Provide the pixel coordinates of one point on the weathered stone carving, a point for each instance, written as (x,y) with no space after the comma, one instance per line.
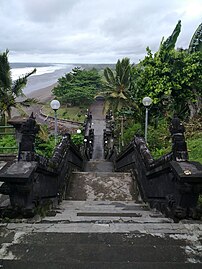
(34,179)
(171,184)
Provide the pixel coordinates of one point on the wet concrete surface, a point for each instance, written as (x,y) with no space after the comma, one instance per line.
(99,124)
(101,186)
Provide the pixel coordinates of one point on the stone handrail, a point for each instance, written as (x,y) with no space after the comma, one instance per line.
(171,184)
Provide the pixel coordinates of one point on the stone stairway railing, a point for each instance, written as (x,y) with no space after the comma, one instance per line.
(171,184)
(33,180)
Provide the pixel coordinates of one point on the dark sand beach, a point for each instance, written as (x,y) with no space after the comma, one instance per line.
(43,94)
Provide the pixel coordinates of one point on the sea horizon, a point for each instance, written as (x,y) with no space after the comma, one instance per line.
(47,74)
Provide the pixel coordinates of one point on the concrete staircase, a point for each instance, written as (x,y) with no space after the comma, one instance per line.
(99,235)
(100,227)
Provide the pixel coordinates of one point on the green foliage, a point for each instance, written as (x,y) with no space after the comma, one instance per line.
(196,41)
(77,139)
(45,143)
(200,201)
(159,141)
(78,87)
(117,85)
(45,147)
(7,141)
(173,79)
(159,138)
(195,149)
(130,132)
(170,42)
(174,83)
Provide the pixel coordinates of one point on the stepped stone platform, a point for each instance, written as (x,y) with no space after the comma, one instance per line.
(99,166)
(101,186)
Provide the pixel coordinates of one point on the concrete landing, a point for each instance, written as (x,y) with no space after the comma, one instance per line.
(99,166)
(101,186)
(96,251)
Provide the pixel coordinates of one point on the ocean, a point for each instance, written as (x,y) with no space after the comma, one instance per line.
(46,74)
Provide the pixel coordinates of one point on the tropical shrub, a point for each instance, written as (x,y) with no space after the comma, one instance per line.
(78,87)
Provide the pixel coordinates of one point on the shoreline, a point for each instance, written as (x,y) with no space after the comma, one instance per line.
(43,94)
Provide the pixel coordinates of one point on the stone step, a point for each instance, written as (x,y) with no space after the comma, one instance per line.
(105,212)
(114,204)
(99,166)
(184,231)
(8,264)
(93,250)
(101,186)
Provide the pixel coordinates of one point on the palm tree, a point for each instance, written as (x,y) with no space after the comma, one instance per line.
(10,90)
(118,85)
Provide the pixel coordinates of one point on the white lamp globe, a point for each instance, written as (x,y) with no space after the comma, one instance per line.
(78,131)
(147,101)
(55,104)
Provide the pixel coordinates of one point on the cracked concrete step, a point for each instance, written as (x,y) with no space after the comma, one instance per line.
(98,250)
(158,229)
(107,212)
(105,220)
(101,186)
(96,265)
(95,252)
(102,205)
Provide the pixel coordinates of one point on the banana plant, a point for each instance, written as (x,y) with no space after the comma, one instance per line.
(196,41)
(169,44)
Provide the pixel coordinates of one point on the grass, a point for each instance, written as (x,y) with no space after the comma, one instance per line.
(195,149)
(70,113)
(8,141)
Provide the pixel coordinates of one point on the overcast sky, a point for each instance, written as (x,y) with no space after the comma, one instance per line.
(92,31)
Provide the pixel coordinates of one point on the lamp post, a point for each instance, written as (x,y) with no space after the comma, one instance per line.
(122,142)
(146,102)
(55,105)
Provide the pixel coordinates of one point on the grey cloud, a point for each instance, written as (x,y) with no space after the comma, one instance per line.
(91,30)
(47,10)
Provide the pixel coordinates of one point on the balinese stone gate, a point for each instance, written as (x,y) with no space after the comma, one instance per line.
(33,179)
(171,184)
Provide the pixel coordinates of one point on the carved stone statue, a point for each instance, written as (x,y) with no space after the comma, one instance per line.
(28,129)
(179,146)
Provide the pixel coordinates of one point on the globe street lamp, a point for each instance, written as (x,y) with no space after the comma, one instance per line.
(55,105)
(146,102)
(78,131)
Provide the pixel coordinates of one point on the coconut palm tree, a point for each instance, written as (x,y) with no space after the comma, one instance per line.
(117,85)
(10,90)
